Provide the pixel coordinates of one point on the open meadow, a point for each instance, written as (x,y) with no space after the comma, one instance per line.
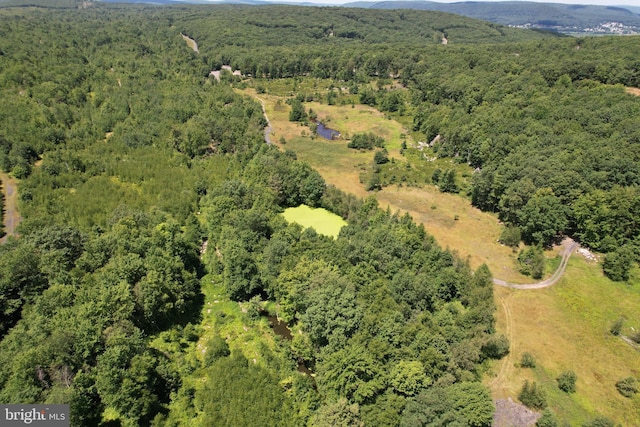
(449,218)
(566,327)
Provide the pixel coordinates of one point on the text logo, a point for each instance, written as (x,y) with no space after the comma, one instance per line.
(34,415)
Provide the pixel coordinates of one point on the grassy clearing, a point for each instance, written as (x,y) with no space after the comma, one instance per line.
(246,334)
(567,327)
(253,337)
(339,165)
(347,119)
(350,120)
(321,220)
(457,225)
(191,43)
(449,218)
(633,91)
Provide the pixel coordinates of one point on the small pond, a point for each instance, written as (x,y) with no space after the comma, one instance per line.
(321,220)
(326,132)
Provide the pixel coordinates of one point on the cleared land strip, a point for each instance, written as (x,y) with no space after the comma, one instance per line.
(11,216)
(268,129)
(190,42)
(633,91)
(569,247)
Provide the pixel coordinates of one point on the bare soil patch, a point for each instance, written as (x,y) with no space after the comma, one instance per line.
(633,91)
(511,414)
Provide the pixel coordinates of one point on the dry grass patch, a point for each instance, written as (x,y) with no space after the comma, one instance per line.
(567,327)
(190,42)
(11,216)
(338,164)
(278,115)
(633,91)
(457,225)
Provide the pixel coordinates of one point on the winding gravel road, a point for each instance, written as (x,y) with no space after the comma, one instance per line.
(569,246)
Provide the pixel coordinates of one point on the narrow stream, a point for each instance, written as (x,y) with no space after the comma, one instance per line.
(281,329)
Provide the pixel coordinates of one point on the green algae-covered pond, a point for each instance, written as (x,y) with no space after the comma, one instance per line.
(321,220)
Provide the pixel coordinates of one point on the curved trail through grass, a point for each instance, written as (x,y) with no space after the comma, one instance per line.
(569,247)
(506,365)
(506,362)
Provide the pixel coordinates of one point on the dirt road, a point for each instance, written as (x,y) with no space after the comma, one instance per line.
(569,246)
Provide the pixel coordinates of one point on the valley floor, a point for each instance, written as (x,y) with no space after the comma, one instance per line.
(564,326)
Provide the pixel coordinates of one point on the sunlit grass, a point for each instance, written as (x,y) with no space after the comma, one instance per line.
(350,120)
(456,225)
(220,316)
(566,327)
(228,319)
(10,215)
(191,43)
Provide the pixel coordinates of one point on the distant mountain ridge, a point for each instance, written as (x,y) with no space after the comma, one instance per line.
(559,17)
(41,3)
(549,16)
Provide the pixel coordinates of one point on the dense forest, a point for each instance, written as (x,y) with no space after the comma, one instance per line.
(144,182)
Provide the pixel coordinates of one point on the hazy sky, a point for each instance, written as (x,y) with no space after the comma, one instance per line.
(598,2)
